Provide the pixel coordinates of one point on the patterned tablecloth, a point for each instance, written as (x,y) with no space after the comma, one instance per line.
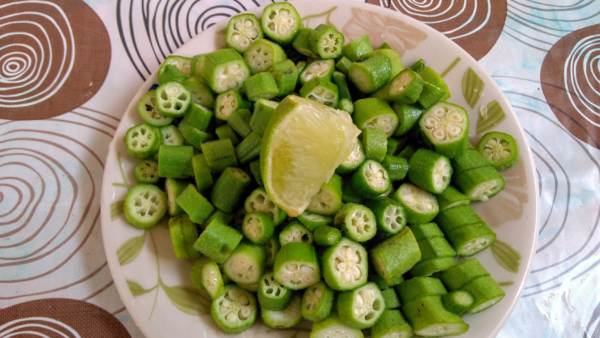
(69,68)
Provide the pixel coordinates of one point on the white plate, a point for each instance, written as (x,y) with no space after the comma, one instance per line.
(156,287)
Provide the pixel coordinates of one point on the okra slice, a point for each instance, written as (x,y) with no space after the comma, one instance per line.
(175,161)
(142,141)
(302,43)
(272,246)
(469,159)
(281,22)
(219,215)
(228,102)
(394,146)
(169,73)
(371,74)
(357,49)
(295,232)
(249,148)
(196,65)
(258,227)
(224,69)
(180,62)
(446,127)
(462,274)
(499,150)
(262,54)
(255,169)
(479,184)
(218,241)
(318,68)
(198,116)
(145,205)
(246,264)
(173,189)
(249,287)
(296,266)
(261,86)
(382,284)
(192,135)
(396,255)
(343,65)
(329,198)
(458,302)
(212,280)
(259,201)
(285,74)
(345,265)
(426,231)
(486,293)
(226,132)
(429,318)
(272,295)
(375,113)
(418,66)
(317,302)
(239,121)
(173,99)
(420,287)
(451,198)
(301,65)
(314,221)
(430,171)
(408,116)
(360,308)
(421,206)
(354,160)
(147,172)
(408,151)
(370,180)
(235,311)
(177,238)
(432,77)
(429,267)
(389,215)
(327,236)
(201,93)
(471,239)
(242,31)
(285,318)
(194,204)
(406,87)
(219,155)
(349,195)
(457,217)
(326,41)
(356,222)
(196,272)
(375,143)
(202,174)
(263,109)
(395,62)
(229,188)
(320,90)
(391,323)
(436,255)
(385,45)
(148,109)
(171,136)
(390,298)
(396,167)
(333,327)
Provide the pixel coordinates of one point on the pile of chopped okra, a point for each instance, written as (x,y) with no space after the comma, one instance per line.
(376,248)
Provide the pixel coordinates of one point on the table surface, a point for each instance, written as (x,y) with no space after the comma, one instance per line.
(544,55)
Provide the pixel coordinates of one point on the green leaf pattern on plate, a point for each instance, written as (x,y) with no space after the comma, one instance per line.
(510,283)
(129,250)
(490,116)
(472,87)
(506,256)
(188,299)
(116,209)
(136,289)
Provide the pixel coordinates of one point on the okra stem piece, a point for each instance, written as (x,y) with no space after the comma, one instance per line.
(224,69)
(317,302)
(285,318)
(320,90)
(218,241)
(451,198)
(375,113)
(360,308)
(479,184)
(297,266)
(202,174)
(195,205)
(420,206)
(389,214)
(486,293)
(356,222)
(354,160)
(326,41)
(375,143)
(396,255)
(246,264)
(391,323)
(286,75)
(318,68)
(327,236)
(499,150)
(260,201)
(258,227)
(396,167)
(272,246)
(408,116)
(228,102)
(173,188)
(370,180)
(429,318)
(142,141)
(226,132)
(219,155)
(406,87)
(149,112)
(272,295)
(430,171)
(235,311)
(332,327)
(345,265)
(302,43)
(371,74)
(314,221)
(212,280)
(263,109)
(171,136)
(356,49)
(329,198)
(446,127)
(343,65)
(249,148)
(281,22)
(390,298)
(229,189)
(295,232)
(147,172)
(457,302)
(242,31)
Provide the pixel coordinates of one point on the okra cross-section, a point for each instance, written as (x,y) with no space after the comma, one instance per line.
(258,227)
(148,109)
(317,302)
(228,102)
(224,69)
(262,54)
(246,264)
(145,205)
(356,221)
(285,318)
(389,215)
(317,68)
(499,149)
(446,127)
(173,99)
(326,41)
(281,22)
(421,206)
(242,31)
(354,160)
(360,308)
(375,113)
(345,265)
(371,179)
(234,311)
(146,172)
(259,201)
(295,232)
(320,90)
(430,171)
(272,295)
(296,266)
(329,199)
(142,141)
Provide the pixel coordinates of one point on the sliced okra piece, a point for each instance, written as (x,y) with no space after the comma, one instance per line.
(356,221)
(394,146)
(420,287)
(262,54)
(145,205)
(408,116)
(333,327)
(375,143)
(320,90)
(202,174)
(479,184)
(192,135)
(169,73)
(389,261)
(421,206)
(142,141)
(286,75)
(349,195)
(190,235)
(385,45)
(212,280)
(317,302)
(361,308)
(389,215)
(229,189)
(272,295)
(174,188)
(432,77)
(295,232)
(429,318)
(446,127)
(259,201)
(148,110)
(201,93)
(371,74)
(395,62)
(343,90)
(370,180)
(226,132)
(246,264)
(219,155)
(396,167)
(433,248)
(235,311)
(173,99)
(408,151)
(255,169)
(285,318)
(329,198)
(147,172)
(317,68)
(301,65)
(171,136)
(249,148)
(346,105)
(451,198)
(196,273)
(457,302)
(175,161)
(383,94)
(194,204)
(225,69)
(486,293)
(219,215)
(430,95)
(469,159)
(499,150)
(391,323)
(314,221)
(457,217)
(218,241)
(418,66)
(357,49)
(431,266)
(382,284)
(345,265)
(326,235)
(181,62)
(272,246)
(406,87)
(239,121)
(261,86)
(375,113)
(343,65)
(430,171)
(249,287)
(196,65)
(228,102)
(390,298)
(462,274)
(258,227)
(281,22)
(177,238)
(354,160)
(242,31)
(426,231)
(471,239)
(296,266)
(263,109)
(326,41)
(302,43)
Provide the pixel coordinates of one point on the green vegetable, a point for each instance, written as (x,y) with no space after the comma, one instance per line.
(356,222)
(142,141)
(396,167)
(357,49)
(302,43)
(295,232)
(272,295)
(446,128)
(258,227)
(229,189)
(171,136)
(499,150)
(326,41)
(272,246)
(418,66)
(429,318)
(242,31)
(395,62)
(201,93)
(408,116)
(178,236)
(224,69)
(239,121)
(173,99)
(486,293)
(345,265)
(281,22)
(390,298)
(235,311)
(451,198)
(175,161)
(389,215)
(212,280)
(420,206)
(261,86)
(202,174)
(259,201)
(391,323)
(246,264)
(375,113)
(286,75)
(297,266)
(320,90)
(249,148)
(218,241)
(333,327)
(375,143)
(194,204)
(219,155)
(255,168)
(317,302)
(226,132)
(457,302)
(479,184)
(430,171)
(360,308)
(173,189)
(193,136)
(228,102)
(149,112)
(170,73)
(354,160)
(371,74)
(317,68)
(329,198)
(286,318)
(396,255)
(147,172)
(327,236)
(145,205)
(406,87)
(408,151)
(343,65)
(263,109)
(314,221)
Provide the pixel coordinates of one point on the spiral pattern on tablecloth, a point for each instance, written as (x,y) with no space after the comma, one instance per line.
(39,327)
(582,78)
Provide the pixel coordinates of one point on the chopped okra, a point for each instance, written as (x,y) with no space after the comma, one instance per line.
(242,31)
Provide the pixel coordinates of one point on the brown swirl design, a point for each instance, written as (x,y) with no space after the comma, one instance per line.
(55,57)
(475,25)
(59,318)
(570,79)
